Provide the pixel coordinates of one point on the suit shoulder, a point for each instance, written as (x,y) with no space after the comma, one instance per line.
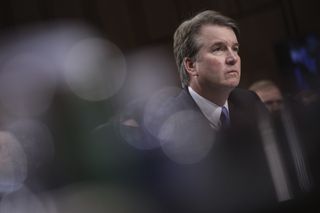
(244,95)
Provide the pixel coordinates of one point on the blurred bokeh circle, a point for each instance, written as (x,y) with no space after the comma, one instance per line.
(95,69)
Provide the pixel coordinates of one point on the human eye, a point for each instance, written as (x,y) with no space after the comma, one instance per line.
(218,48)
(235,48)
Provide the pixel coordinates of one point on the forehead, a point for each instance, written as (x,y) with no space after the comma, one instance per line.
(216,33)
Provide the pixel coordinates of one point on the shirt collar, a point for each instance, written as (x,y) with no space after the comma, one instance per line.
(209,109)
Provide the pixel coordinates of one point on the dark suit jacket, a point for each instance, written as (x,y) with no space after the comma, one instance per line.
(198,169)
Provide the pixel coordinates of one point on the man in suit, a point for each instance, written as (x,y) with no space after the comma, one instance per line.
(211,156)
(206,51)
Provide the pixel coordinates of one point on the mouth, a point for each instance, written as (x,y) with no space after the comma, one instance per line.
(233,72)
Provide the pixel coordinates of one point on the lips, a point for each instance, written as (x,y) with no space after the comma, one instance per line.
(232,72)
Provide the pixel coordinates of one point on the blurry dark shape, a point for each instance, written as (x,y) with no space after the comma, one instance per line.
(287,138)
(308,120)
(186,147)
(307,97)
(299,62)
(131,123)
(269,93)
(112,150)
(275,162)
(101,198)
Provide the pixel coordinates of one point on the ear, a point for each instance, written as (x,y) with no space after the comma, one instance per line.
(190,67)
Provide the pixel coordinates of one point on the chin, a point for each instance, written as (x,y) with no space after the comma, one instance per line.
(233,84)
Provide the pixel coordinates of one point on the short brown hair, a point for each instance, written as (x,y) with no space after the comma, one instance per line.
(184,42)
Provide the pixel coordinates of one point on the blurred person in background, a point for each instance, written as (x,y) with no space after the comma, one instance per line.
(269,93)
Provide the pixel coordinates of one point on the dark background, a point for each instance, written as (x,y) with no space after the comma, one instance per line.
(141,23)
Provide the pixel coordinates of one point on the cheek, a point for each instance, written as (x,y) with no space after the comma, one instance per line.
(211,66)
(215,64)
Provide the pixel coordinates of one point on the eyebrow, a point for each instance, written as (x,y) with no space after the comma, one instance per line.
(223,43)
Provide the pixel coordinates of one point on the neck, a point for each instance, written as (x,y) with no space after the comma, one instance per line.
(217,95)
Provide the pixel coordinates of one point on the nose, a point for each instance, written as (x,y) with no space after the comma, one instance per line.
(232,57)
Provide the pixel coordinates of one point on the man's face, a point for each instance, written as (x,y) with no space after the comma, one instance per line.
(217,64)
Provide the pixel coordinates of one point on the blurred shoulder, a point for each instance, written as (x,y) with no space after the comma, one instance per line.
(243,95)
(244,104)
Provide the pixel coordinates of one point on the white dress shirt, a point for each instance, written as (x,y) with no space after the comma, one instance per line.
(209,109)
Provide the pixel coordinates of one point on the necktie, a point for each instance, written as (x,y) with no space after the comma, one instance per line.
(224,117)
